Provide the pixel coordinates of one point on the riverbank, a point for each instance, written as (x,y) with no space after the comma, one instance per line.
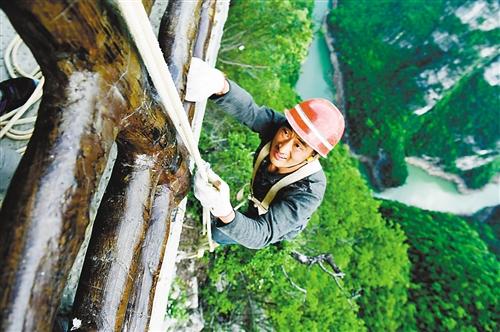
(338,78)
(437,171)
(340,100)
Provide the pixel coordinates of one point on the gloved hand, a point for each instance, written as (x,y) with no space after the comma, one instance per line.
(215,199)
(203,81)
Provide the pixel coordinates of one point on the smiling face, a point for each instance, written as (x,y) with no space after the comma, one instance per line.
(288,151)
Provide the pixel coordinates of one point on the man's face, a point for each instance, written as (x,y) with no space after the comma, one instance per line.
(288,150)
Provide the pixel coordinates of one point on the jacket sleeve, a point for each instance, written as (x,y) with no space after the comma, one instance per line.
(286,215)
(240,104)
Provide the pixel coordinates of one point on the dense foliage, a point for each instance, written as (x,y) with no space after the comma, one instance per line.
(265,289)
(454,277)
(371,251)
(486,223)
(468,106)
(394,53)
(450,284)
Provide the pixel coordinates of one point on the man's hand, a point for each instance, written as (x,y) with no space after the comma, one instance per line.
(203,81)
(214,196)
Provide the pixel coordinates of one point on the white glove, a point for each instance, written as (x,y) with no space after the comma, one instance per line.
(203,81)
(215,199)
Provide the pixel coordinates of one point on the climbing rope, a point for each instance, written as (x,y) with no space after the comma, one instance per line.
(15,117)
(137,21)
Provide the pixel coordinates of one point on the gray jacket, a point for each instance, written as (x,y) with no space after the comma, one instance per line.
(294,204)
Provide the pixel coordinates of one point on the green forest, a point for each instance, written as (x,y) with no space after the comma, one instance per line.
(405,269)
(393,53)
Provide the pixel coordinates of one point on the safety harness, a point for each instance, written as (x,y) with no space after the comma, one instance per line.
(303,172)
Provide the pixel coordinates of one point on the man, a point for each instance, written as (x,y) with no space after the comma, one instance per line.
(288,183)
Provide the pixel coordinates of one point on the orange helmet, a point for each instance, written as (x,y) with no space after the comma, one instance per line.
(318,122)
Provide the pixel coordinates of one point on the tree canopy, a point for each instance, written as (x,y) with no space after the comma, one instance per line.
(454,276)
(399,56)
(255,289)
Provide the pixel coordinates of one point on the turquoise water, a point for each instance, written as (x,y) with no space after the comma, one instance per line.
(434,193)
(421,189)
(316,75)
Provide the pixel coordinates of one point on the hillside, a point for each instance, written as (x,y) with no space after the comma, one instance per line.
(264,289)
(454,277)
(422,79)
(268,289)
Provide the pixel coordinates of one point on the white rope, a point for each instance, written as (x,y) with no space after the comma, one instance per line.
(142,33)
(15,64)
(21,132)
(14,117)
(7,57)
(37,94)
(16,136)
(30,119)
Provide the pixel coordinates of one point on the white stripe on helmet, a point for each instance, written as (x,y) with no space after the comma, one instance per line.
(313,129)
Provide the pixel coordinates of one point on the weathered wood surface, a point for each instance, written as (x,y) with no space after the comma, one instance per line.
(132,280)
(110,271)
(192,30)
(208,15)
(140,302)
(96,92)
(178,29)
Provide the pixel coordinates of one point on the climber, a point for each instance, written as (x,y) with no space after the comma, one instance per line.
(288,183)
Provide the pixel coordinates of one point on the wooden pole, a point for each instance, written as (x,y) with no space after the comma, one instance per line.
(95,88)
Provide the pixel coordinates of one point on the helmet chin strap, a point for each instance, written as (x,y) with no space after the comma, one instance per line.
(307,161)
(302,162)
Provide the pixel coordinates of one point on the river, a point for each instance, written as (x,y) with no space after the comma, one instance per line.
(315,80)
(421,189)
